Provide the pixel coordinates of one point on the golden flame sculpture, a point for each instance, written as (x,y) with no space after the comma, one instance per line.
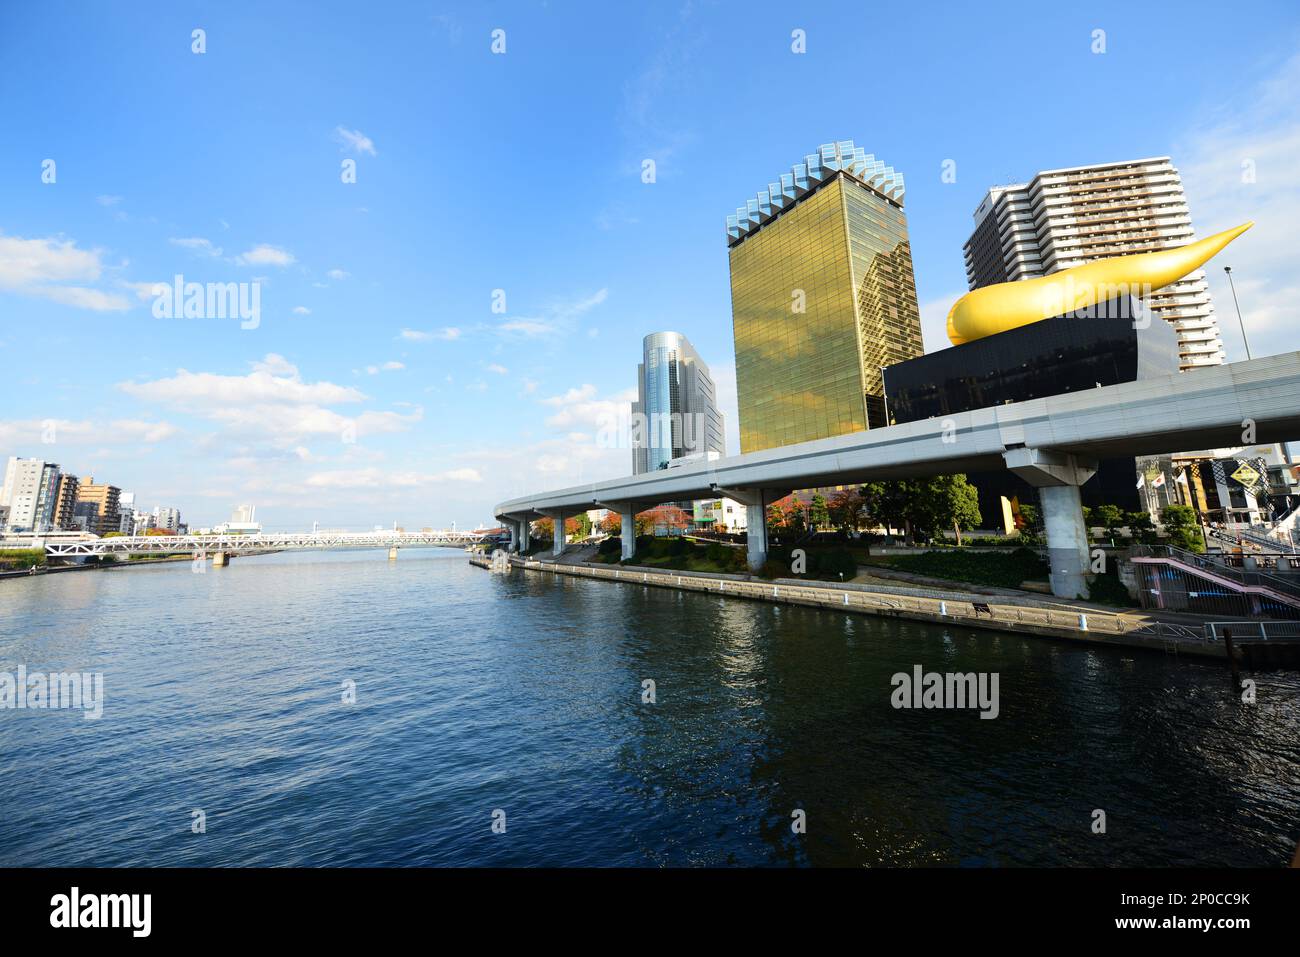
(1010,305)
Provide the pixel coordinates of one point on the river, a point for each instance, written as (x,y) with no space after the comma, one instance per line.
(518,699)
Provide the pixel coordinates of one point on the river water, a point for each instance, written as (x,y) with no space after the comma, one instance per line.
(522,694)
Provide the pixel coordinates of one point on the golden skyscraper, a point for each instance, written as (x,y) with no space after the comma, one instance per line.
(822,297)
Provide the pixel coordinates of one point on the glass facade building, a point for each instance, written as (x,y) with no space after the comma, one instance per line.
(676,413)
(823,297)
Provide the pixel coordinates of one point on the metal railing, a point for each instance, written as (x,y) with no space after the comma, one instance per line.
(1255,629)
(1216,565)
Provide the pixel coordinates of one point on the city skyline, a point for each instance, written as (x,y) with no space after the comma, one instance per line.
(379,319)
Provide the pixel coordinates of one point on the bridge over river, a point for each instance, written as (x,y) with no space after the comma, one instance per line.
(223,547)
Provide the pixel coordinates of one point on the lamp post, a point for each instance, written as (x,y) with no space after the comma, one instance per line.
(1240,322)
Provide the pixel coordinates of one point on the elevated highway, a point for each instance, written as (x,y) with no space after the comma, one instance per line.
(1054,443)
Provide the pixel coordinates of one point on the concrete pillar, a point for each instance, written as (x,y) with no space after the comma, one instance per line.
(756,533)
(392,554)
(523,532)
(220,559)
(1057,476)
(755,501)
(1067,540)
(557,540)
(628,514)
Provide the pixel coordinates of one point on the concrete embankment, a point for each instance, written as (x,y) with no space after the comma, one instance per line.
(1110,629)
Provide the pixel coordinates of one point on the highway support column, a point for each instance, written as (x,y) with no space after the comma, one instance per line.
(1058,476)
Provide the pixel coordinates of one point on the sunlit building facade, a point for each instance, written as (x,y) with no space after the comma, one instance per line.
(823,297)
(1067,217)
(675,416)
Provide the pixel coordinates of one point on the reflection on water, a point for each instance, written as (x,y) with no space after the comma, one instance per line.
(478,691)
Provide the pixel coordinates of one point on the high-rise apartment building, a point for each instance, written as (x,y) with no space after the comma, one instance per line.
(167,517)
(106,516)
(65,501)
(822,298)
(1067,217)
(676,413)
(30,489)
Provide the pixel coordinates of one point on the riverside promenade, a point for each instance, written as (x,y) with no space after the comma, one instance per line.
(1028,616)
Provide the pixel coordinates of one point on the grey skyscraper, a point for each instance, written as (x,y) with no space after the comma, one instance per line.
(676,414)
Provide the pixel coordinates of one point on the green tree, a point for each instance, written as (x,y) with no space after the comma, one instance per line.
(1183,528)
(1110,517)
(941,502)
(819,514)
(887,502)
(1143,529)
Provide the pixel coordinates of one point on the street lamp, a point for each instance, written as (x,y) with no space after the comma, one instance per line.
(1240,322)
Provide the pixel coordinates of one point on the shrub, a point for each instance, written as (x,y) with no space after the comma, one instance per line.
(1107,589)
(834,563)
(11,558)
(1006,570)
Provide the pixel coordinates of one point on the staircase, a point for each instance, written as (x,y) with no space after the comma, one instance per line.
(1214,571)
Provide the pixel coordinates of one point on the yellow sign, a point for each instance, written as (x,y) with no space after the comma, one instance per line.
(1246,475)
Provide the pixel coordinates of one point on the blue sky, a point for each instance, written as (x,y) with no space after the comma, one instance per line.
(379,384)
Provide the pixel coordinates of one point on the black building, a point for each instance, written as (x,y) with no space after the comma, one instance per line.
(1116,341)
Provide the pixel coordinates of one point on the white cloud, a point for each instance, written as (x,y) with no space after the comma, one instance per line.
(301,311)
(390,366)
(197,244)
(271,405)
(529,327)
(498,369)
(379,478)
(339,274)
(580,406)
(143,290)
(559,317)
(108,200)
(354,140)
(137,430)
(81,297)
(16,433)
(40,267)
(265,255)
(274,380)
(27,262)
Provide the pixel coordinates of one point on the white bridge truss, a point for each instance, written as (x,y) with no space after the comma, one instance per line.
(243,544)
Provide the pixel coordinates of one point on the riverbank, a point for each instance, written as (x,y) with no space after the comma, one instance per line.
(110,566)
(1045,620)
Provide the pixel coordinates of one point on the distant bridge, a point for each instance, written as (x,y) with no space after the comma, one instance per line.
(61,546)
